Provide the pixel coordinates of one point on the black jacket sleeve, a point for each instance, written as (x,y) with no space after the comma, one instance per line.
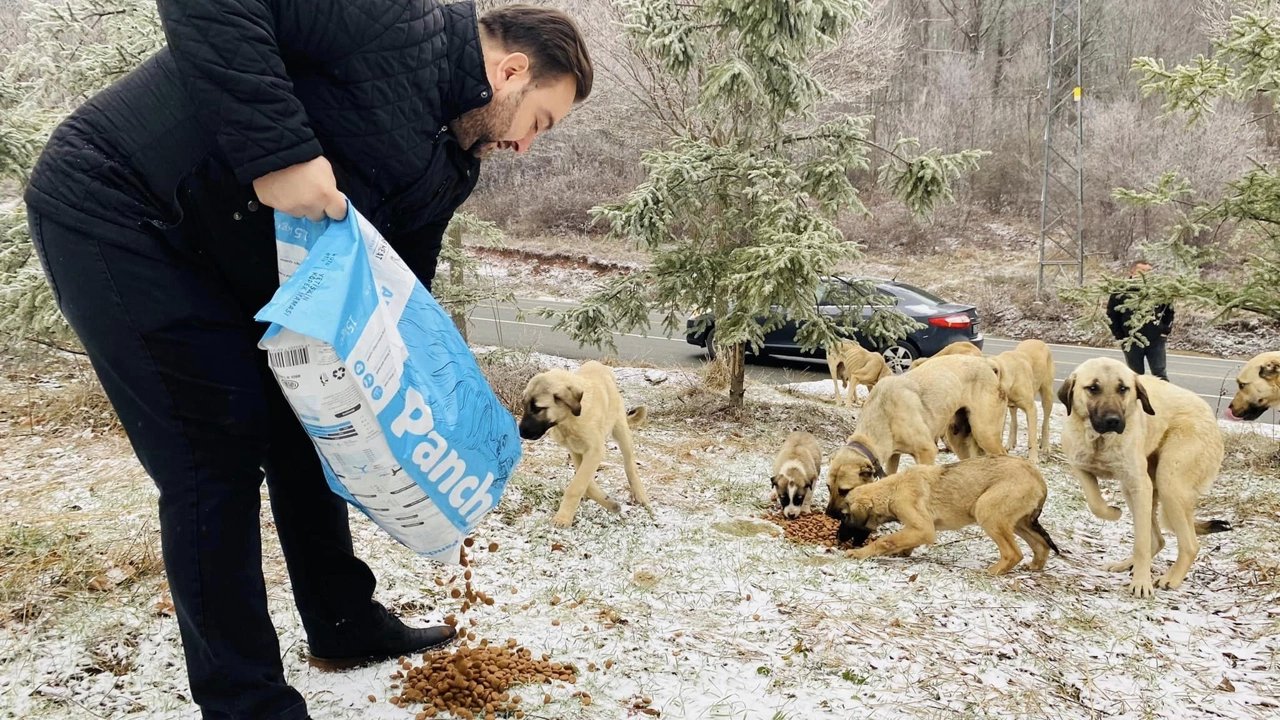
(420,250)
(232,54)
(1166,320)
(1116,316)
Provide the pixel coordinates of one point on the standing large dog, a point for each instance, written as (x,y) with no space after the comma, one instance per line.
(1038,354)
(1159,441)
(580,410)
(854,365)
(956,397)
(1259,388)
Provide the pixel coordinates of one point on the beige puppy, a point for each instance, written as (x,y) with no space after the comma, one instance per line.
(795,473)
(956,397)
(852,365)
(1018,384)
(1003,495)
(1163,446)
(1259,388)
(581,409)
(1042,368)
(963,347)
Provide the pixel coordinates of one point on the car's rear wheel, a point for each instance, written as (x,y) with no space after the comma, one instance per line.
(899,357)
(710,338)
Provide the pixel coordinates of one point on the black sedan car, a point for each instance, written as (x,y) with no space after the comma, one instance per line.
(944,322)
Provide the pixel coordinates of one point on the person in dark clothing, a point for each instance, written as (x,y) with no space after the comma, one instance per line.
(149,212)
(1155,332)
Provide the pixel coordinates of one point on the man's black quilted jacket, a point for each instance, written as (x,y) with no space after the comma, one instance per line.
(246,87)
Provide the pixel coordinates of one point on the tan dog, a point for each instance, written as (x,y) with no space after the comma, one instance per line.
(1037,353)
(853,465)
(1259,388)
(1018,383)
(963,347)
(795,473)
(955,397)
(853,365)
(1159,441)
(1004,495)
(581,410)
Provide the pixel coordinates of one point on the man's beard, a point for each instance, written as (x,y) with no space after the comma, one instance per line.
(481,129)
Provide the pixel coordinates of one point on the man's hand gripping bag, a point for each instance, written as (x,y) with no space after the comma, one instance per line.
(407,427)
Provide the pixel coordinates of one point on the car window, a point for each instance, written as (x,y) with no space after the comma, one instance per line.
(843,295)
(912,295)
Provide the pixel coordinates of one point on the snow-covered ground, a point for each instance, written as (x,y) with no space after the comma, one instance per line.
(706,622)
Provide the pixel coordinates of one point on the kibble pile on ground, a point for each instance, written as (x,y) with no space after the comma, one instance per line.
(475,682)
(810,529)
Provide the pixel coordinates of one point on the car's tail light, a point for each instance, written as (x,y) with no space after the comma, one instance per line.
(959,321)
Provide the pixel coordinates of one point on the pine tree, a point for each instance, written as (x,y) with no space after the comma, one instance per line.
(1245,64)
(739,206)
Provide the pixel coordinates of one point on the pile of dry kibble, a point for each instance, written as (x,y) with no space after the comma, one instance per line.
(810,529)
(473,681)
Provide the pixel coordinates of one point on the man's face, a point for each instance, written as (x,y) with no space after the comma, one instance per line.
(1140,269)
(520,110)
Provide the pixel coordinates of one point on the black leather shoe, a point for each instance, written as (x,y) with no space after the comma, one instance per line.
(354,644)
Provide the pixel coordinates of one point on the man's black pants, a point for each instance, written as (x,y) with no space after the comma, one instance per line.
(1153,354)
(175,346)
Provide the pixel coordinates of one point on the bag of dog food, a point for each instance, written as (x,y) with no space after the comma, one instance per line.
(407,428)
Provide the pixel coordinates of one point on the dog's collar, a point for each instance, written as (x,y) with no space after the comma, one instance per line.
(866,453)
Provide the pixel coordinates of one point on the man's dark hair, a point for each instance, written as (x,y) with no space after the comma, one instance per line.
(549,37)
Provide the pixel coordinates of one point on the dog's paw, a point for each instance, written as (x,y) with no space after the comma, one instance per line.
(1122,566)
(857,554)
(1110,513)
(612,506)
(1141,588)
(562,521)
(1168,582)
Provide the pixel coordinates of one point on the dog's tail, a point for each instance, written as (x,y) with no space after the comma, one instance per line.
(1038,529)
(1208,527)
(636,416)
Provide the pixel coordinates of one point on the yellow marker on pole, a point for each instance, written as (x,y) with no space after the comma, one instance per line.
(1075,93)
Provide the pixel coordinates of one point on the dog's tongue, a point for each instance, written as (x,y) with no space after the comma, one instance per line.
(1230,415)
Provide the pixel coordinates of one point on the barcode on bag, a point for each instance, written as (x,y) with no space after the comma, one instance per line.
(288,357)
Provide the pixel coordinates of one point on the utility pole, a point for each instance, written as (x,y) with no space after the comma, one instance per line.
(1062,188)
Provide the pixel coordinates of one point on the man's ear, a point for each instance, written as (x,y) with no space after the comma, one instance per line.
(512,65)
(1142,398)
(571,397)
(1066,393)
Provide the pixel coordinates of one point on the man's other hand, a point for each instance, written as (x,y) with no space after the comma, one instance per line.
(304,190)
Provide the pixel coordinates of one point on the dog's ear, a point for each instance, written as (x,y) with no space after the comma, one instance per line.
(571,397)
(1066,393)
(1142,398)
(1269,371)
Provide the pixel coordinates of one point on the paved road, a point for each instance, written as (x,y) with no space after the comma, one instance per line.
(1211,378)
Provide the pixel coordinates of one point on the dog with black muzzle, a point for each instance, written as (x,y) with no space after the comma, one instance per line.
(853,465)
(795,473)
(1160,442)
(1258,388)
(580,410)
(1003,494)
